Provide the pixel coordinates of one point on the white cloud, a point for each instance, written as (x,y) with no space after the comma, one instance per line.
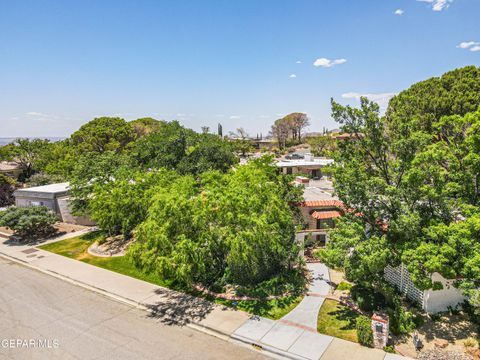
(234,117)
(292,76)
(381,99)
(298,62)
(438,5)
(37,114)
(327,63)
(399,12)
(470,45)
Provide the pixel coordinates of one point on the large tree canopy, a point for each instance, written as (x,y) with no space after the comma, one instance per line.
(103,134)
(412,178)
(223,228)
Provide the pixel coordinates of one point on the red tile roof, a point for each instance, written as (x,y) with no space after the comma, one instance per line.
(320,215)
(323,203)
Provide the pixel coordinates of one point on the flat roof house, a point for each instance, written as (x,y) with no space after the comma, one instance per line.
(310,165)
(54,197)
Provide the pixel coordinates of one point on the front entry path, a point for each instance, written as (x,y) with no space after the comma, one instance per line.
(295,335)
(305,314)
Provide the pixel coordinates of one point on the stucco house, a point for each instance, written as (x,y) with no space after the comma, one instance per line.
(54,196)
(309,165)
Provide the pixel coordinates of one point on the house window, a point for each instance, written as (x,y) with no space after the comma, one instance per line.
(36,203)
(323,224)
(289,171)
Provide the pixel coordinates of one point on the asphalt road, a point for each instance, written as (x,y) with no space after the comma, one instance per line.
(69,322)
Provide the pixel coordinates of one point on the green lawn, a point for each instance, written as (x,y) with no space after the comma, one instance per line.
(272,309)
(76,248)
(337,320)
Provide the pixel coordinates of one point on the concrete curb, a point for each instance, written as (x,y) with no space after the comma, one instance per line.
(262,347)
(192,325)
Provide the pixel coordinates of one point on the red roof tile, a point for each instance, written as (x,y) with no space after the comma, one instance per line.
(323,203)
(320,215)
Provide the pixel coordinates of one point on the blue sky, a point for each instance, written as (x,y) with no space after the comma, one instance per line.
(63,63)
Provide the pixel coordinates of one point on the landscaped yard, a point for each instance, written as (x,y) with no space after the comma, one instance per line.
(76,248)
(337,320)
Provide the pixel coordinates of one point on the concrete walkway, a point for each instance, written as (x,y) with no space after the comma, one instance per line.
(293,336)
(305,314)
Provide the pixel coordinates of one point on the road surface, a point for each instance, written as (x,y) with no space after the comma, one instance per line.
(42,317)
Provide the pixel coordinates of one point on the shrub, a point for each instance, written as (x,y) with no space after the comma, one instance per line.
(367,299)
(470,342)
(389,349)
(402,321)
(344,286)
(29,222)
(364,331)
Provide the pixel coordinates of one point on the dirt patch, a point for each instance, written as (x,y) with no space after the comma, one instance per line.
(67,228)
(447,335)
(112,246)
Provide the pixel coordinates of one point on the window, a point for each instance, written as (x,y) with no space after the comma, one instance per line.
(36,203)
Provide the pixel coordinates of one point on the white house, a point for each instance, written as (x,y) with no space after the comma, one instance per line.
(309,165)
(54,196)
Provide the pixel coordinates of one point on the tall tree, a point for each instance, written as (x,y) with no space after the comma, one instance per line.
(103,134)
(411,178)
(163,149)
(145,126)
(27,153)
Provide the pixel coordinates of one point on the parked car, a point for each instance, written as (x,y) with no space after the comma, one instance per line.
(294,156)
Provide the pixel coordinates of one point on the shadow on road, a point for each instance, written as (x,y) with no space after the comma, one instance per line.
(179,309)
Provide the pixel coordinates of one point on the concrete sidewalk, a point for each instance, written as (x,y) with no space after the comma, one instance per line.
(170,307)
(293,337)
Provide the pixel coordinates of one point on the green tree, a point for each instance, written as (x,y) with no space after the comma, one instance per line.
(103,134)
(29,222)
(163,149)
(323,145)
(27,153)
(209,153)
(121,203)
(223,228)
(145,126)
(90,170)
(58,159)
(411,177)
